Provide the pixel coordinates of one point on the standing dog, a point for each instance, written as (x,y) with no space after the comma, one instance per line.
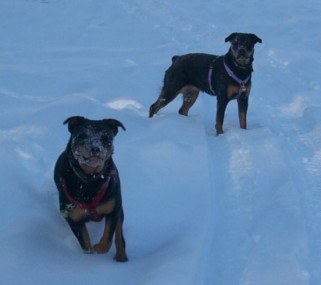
(88,183)
(227,77)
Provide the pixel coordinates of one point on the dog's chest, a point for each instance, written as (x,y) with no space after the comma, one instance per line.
(235,90)
(82,191)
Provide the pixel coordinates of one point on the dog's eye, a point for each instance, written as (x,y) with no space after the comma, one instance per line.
(106,139)
(82,136)
(235,43)
(248,46)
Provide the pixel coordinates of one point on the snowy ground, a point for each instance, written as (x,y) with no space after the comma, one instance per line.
(243,208)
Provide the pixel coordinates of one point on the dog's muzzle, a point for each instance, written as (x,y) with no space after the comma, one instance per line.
(242,55)
(91,152)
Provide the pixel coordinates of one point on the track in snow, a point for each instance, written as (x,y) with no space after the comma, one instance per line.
(264,189)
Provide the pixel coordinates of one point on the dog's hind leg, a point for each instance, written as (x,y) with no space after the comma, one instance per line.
(173,83)
(167,95)
(190,94)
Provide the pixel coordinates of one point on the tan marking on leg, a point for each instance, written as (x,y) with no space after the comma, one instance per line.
(106,208)
(161,102)
(87,243)
(154,108)
(190,94)
(219,129)
(242,119)
(232,90)
(120,243)
(78,214)
(104,244)
(242,113)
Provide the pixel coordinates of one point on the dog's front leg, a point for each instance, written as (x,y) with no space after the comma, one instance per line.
(220,113)
(113,225)
(120,240)
(105,242)
(242,108)
(79,229)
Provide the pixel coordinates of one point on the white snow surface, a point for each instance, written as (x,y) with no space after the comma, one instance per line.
(242,208)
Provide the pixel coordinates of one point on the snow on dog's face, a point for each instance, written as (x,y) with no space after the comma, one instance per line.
(92,145)
(91,141)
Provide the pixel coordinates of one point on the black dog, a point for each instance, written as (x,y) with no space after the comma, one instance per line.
(227,77)
(88,183)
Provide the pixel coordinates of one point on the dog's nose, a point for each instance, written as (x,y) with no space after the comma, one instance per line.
(95,150)
(242,51)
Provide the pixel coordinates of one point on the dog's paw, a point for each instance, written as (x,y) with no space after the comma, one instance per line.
(88,251)
(121,257)
(102,247)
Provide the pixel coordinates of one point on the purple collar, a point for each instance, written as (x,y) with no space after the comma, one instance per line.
(231,74)
(237,79)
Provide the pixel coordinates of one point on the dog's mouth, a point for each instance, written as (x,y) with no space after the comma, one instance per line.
(94,161)
(242,55)
(91,165)
(243,60)
(91,155)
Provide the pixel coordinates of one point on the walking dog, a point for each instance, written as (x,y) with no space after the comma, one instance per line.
(227,77)
(88,183)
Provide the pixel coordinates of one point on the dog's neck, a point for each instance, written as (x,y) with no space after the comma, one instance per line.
(88,170)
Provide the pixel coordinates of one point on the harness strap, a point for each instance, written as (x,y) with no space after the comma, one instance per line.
(91,206)
(231,74)
(209,77)
(238,80)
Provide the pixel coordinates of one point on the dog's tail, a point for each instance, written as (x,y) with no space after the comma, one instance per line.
(175,57)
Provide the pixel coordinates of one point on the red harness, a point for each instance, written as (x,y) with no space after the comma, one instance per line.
(91,206)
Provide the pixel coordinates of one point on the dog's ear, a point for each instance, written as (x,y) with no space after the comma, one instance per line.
(255,39)
(74,122)
(114,124)
(230,37)
(175,57)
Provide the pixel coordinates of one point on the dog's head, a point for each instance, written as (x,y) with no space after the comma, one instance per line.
(91,141)
(242,47)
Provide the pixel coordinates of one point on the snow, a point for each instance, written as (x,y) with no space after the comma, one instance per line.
(243,208)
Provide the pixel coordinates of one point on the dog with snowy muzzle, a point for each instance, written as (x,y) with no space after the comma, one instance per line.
(88,183)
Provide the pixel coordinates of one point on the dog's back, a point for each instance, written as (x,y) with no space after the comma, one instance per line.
(192,69)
